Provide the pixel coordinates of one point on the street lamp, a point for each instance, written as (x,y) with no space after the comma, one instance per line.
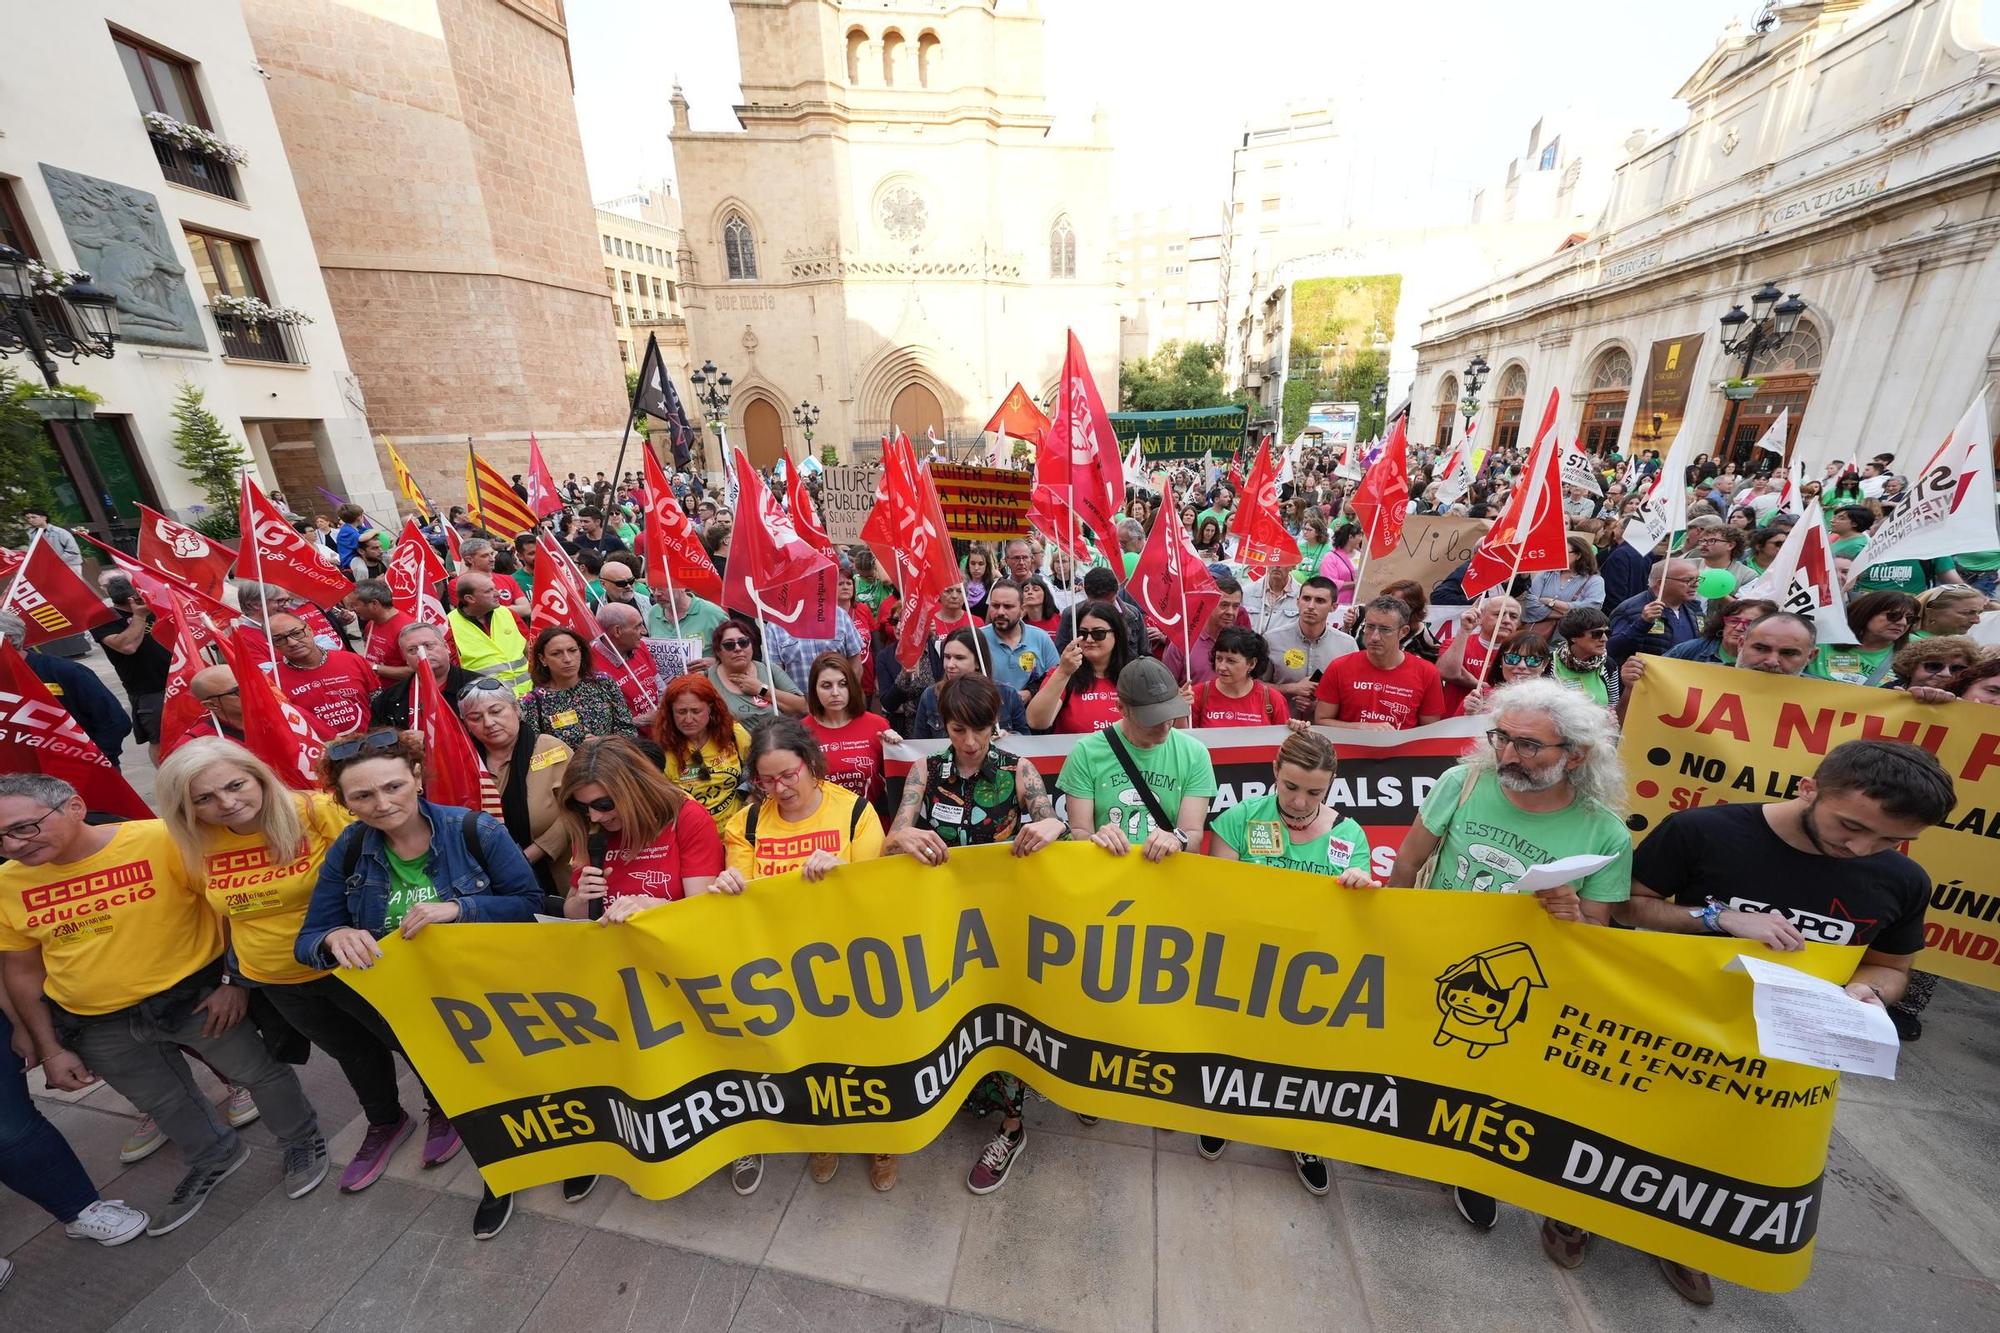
(711,390)
(85,319)
(806,416)
(1771,319)
(1378,397)
(1474,379)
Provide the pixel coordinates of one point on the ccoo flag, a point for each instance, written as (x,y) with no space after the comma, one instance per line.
(52,601)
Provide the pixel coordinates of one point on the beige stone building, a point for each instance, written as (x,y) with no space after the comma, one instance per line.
(1170,276)
(1848,152)
(891,234)
(641,238)
(436,151)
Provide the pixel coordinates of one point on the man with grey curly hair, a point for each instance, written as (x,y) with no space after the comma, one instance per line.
(1546,785)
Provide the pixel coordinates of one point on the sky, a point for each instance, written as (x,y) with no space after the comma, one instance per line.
(1448,87)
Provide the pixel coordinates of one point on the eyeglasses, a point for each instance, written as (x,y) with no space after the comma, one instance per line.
(1944,668)
(1691,580)
(785,779)
(1097,634)
(1368,629)
(1525,746)
(26,829)
(620,583)
(604,805)
(386,738)
(219,694)
(1521,659)
(300,634)
(1895,615)
(733,645)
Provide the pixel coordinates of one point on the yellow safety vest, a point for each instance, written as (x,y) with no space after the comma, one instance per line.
(501,653)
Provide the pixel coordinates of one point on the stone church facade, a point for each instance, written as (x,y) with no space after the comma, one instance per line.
(891,234)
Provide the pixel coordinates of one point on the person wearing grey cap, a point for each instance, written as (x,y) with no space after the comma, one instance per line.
(1140,782)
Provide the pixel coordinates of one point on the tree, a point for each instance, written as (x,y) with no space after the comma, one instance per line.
(28,466)
(1178,378)
(212,460)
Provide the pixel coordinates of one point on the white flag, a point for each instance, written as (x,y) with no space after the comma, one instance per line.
(1802,579)
(1579,469)
(1949,508)
(1793,498)
(1134,456)
(1773,440)
(1665,511)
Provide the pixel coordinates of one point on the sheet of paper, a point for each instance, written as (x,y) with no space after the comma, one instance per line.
(1568,870)
(1811,1021)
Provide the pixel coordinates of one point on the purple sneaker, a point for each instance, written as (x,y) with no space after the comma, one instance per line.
(441,1141)
(372,1158)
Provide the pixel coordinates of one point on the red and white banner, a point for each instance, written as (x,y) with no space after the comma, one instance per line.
(804,518)
(1948,509)
(275,554)
(51,599)
(543,497)
(193,632)
(1172,585)
(560,597)
(1802,579)
(675,557)
(1531,533)
(178,549)
(1260,533)
(1079,454)
(160,591)
(773,575)
(274,728)
(413,572)
(451,768)
(38,735)
(1382,500)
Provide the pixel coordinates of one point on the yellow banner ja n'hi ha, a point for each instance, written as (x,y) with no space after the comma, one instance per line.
(1609,1078)
(1700,734)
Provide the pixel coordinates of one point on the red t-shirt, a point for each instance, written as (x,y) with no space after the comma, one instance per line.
(689,848)
(1262,707)
(640,685)
(1092,708)
(380,646)
(1476,651)
(853,752)
(506,591)
(333,694)
(1360,691)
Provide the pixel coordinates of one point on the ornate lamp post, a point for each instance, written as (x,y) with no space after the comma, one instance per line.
(1378,398)
(806,416)
(1770,321)
(1473,380)
(711,390)
(81,320)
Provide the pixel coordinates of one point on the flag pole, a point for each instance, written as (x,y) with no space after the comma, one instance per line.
(632,408)
(257,567)
(14,583)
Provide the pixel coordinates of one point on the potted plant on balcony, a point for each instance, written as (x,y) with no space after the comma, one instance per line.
(1741,390)
(64,402)
(250,308)
(194,139)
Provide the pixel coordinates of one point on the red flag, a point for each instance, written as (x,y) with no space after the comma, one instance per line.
(451,546)
(906,532)
(799,500)
(773,575)
(413,572)
(1171,584)
(274,728)
(11,561)
(38,735)
(451,770)
(560,597)
(1235,478)
(192,632)
(1261,538)
(1018,416)
(179,549)
(1079,455)
(674,553)
(1382,500)
(1048,515)
(543,498)
(1531,533)
(913,630)
(52,600)
(273,553)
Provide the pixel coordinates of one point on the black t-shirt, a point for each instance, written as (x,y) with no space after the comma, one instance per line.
(1731,853)
(142,671)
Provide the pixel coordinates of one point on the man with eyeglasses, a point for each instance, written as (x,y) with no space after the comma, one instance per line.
(113,962)
(420,642)
(331,688)
(214,689)
(1660,618)
(617,582)
(1380,688)
(1546,785)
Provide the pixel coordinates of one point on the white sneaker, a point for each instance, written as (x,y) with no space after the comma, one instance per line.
(108,1222)
(239,1108)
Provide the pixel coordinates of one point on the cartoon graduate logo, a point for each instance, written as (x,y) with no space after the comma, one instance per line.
(1483,996)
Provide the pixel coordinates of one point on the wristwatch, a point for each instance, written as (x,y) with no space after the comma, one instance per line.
(1180,836)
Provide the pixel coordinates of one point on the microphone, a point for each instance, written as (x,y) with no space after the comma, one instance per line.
(598,844)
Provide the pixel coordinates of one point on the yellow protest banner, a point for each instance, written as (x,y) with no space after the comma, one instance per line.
(1701,734)
(1610,1078)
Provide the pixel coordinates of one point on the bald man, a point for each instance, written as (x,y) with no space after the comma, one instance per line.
(639,676)
(214,689)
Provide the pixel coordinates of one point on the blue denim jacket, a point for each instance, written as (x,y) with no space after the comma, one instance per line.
(504,889)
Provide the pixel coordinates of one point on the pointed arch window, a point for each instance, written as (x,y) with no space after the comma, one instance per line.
(739,249)
(1062,248)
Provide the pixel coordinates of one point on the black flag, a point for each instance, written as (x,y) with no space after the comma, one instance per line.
(657,397)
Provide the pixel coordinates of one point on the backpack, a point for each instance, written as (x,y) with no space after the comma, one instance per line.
(468,827)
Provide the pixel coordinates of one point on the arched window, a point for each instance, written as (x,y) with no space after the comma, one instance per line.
(1447,410)
(927,58)
(1514,383)
(1604,404)
(892,57)
(1448,391)
(1613,371)
(857,47)
(739,249)
(1062,249)
(1797,353)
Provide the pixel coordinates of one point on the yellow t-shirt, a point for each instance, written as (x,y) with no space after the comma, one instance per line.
(115,928)
(712,777)
(782,846)
(265,905)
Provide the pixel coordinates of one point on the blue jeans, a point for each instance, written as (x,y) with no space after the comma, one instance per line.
(36,1162)
(1986,581)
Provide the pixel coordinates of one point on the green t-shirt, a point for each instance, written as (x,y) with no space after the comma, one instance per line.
(1177,767)
(1971,562)
(701,621)
(1590,682)
(1910,576)
(1256,832)
(409,884)
(1490,842)
(872,591)
(1846,661)
(1849,547)
(1221,516)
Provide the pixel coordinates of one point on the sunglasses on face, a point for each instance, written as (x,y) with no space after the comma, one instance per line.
(734,645)
(1521,660)
(1590,634)
(218,695)
(621,583)
(1095,635)
(375,741)
(1944,668)
(604,805)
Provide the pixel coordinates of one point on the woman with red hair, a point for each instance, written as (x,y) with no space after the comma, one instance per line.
(705,747)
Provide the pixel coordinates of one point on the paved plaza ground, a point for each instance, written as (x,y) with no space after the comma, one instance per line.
(1115,1227)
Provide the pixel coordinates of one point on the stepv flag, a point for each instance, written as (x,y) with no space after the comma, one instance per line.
(52,600)
(1172,585)
(406,481)
(543,498)
(451,769)
(490,501)
(772,574)
(273,553)
(657,397)
(1802,579)
(1531,533)
(39,735)
(413,572)
(1261,538)
(675,557)
(1664,511)
(179,549)
(1949,507)
(274,729)
(799,500)
(1382,500)
(1774,438)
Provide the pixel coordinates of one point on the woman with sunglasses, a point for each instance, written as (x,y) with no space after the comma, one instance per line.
(972,793)
(1930,668)
(1881,622)
(706,750)
(404,865)
(849,735)
(963,653)
(1722,633)
(570,700)
(1522,655)
(800,821)
(526,768)
(754,691)
(1080,693)
(1582,656)
(649,842)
